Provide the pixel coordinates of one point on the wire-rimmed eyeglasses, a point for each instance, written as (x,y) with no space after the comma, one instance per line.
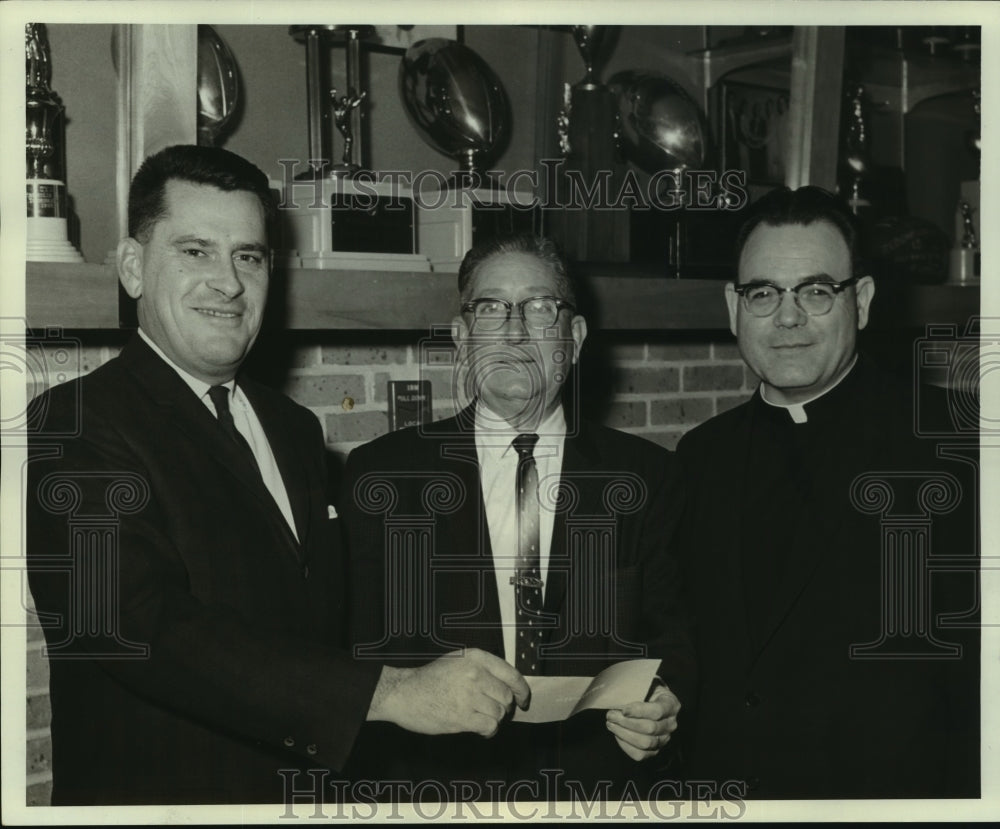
(535,311)
(815,298)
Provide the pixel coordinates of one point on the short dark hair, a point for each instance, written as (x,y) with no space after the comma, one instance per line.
(539,246)
(199,165)
(784,206)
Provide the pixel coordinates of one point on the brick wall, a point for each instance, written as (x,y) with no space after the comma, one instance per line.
(657,387)
(39,748)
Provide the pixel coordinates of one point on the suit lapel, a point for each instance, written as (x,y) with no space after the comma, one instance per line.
(579,455)
(468,541)
(189,415)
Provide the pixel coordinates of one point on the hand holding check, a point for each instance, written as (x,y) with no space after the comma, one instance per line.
(469,690)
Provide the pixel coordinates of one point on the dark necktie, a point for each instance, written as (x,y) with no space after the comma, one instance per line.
(219,396)
(528,578)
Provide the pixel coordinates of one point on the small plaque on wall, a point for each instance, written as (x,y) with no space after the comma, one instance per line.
(409,403)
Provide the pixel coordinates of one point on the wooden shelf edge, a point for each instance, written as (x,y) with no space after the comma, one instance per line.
(613,297)
(72,296)
(363,300)
(920,306)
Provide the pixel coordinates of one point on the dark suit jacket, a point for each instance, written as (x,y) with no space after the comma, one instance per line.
(423,584)
(194,645)
(784,704)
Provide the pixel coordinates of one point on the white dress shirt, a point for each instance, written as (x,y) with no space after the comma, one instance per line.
(247,425)
(498,478)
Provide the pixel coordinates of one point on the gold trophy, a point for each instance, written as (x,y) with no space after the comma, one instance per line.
(44,143)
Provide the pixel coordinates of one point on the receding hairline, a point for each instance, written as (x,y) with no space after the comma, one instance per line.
(550,269)
(779,223)
(562,283)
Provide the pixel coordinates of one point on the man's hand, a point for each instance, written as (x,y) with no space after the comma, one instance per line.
(469,690)
(643,728)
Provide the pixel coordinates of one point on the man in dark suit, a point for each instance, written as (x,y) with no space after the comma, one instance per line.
(563,571)
(181,553)
(817,531)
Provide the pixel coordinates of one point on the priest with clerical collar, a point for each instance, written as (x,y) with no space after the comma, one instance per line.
(825,671)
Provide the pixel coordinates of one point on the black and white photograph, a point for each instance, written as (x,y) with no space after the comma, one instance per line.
(523,412)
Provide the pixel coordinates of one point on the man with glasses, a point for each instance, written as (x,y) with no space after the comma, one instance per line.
(516,529)
(827,669)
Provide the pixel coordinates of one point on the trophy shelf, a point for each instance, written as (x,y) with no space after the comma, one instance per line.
(625,298)
(71,295)
(896,83)
(902,81)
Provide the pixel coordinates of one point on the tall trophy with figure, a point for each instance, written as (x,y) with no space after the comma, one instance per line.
(340,214)
(45,155)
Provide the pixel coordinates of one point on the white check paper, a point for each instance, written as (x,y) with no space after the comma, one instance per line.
(556,698)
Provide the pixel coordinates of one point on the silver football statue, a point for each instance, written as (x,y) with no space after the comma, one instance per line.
(662,127)
(455,101)
(218,87)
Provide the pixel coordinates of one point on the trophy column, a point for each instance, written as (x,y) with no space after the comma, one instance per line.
(590,228)
(47,231)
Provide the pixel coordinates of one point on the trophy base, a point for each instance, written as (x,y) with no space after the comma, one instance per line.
(348,223)
(47,241)
(447,227)
(963,267)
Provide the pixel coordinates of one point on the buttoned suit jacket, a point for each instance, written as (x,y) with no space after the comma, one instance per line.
(792,711)
(195,647)
(423,584)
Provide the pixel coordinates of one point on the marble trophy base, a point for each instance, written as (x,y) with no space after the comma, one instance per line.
(345,224)
(449,222)
(48,241)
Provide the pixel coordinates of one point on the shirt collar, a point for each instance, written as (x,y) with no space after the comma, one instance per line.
(797,411)
(496,440)
(199,387)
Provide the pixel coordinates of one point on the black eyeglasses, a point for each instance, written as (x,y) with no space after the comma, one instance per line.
(535,311)
(815,298)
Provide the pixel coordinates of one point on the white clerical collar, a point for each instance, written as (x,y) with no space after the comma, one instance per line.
(199,387)
(494,433)
(797,411)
